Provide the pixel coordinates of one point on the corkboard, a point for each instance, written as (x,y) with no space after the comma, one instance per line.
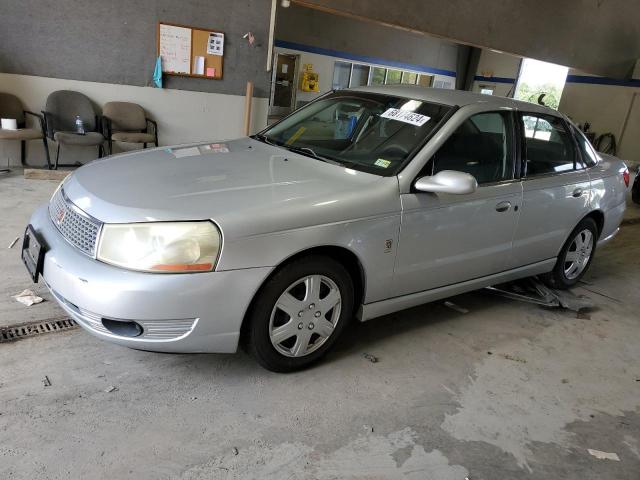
(199,40)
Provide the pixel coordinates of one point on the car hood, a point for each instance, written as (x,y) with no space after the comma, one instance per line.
(244,185)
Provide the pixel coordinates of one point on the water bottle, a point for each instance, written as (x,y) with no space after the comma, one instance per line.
(79,125)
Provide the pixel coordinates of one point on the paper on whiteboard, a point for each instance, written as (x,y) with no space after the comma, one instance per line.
(215,45)
(406,116)
(175,49)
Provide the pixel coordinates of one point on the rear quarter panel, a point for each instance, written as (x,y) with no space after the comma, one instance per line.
(608,192)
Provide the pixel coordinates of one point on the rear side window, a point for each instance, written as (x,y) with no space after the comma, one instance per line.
(480,146)
(549,147)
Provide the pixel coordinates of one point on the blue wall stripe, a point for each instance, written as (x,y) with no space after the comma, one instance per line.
(363,58)
(602,81)
(480,78)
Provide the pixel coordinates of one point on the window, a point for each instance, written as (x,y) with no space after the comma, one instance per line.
(393,77)
(341,75)
(481,146)
(359,75)
(378,75)
(347,75)
(425,80)
(409,77)
(362,131)
(588,153)
(549,148)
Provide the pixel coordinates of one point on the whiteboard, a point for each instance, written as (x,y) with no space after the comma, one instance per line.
(175,49)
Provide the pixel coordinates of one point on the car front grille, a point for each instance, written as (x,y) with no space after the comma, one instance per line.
(77,227)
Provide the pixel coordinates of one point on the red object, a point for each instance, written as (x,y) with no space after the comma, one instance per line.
(625,176)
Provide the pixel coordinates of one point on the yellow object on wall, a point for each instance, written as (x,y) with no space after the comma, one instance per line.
(309,82)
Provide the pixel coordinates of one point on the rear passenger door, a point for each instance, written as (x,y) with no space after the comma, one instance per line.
(555,186)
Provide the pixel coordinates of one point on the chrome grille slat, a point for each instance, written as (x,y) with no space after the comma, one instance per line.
(78,228)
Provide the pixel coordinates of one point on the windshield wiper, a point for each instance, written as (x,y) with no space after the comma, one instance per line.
(265,139)
(310,153)
(303,150)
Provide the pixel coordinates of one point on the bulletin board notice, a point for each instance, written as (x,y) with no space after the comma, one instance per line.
(190,51)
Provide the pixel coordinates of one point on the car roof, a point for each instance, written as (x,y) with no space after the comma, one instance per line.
(455,97)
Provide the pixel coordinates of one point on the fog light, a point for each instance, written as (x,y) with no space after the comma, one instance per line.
(122,328)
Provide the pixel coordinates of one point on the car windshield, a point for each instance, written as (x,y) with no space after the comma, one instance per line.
(369,132)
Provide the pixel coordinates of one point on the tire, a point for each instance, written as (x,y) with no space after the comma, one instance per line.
(299,313)
(635,190)
(575,257)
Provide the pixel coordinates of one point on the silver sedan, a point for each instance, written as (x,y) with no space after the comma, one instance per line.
(362,203)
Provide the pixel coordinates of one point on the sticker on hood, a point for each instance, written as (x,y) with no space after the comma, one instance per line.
(406,116)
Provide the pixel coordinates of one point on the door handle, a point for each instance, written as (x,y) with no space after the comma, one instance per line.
(577,192)
(503,206)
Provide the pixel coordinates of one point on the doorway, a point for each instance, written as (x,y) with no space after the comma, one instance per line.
(284,80)
(541,78)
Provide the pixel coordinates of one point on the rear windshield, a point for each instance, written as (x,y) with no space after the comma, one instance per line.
(363,131)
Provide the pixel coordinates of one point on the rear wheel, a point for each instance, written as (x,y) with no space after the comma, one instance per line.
(575,257)
(299,314)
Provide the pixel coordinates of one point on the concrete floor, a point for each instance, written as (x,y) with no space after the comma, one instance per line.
(508,390)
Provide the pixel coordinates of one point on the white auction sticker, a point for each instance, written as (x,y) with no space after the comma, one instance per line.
(406,116)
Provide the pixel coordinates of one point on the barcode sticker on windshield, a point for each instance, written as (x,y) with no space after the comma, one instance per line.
(406,116)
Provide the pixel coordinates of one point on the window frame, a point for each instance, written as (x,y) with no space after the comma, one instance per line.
(523,145)
(579,137)
(510,128)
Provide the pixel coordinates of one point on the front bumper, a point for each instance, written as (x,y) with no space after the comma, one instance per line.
(182,313)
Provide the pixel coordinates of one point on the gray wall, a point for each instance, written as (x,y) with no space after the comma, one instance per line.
(114,41)
(597,36)
(319,29)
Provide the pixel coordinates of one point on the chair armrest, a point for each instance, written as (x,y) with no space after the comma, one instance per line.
(155,128)
(40,120)
(47,124)
(106,127)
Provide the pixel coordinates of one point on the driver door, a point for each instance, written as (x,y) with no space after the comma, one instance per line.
(447,239)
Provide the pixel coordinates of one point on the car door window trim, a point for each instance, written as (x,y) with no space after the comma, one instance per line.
(525,175)
(510,131)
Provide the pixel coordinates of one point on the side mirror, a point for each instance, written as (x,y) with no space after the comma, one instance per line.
(448,181)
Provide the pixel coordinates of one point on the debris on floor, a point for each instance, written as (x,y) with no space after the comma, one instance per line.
(455,307)
(603,455)
(371,358)
(513,358)
(368,428)
(14,242)
(110,389)
(28,298)
(532,290)
(46,381)
(234,450)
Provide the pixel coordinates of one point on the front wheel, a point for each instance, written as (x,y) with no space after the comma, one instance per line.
(575,257)
(299,314)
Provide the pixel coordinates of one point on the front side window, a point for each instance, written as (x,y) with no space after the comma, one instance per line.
(364,131)
(549,148)
(481,146)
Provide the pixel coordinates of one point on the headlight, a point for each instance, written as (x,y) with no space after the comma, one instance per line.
(163,247)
